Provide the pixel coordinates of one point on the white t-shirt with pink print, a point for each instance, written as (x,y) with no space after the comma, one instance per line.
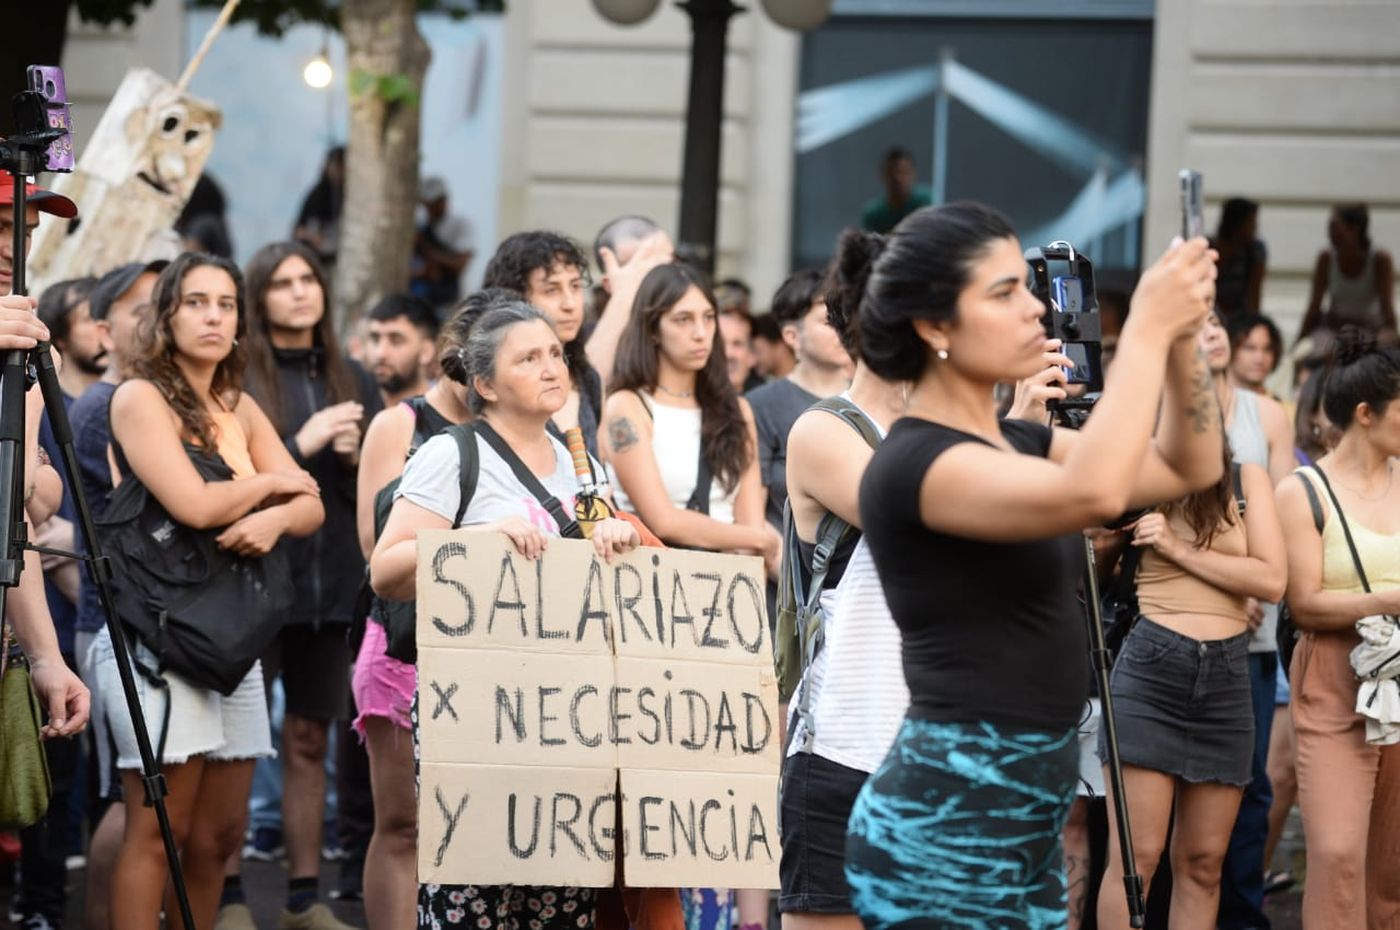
(431,480)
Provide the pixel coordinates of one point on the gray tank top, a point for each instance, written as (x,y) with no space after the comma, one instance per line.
(1353,300)
(1251,447)
(1246,432)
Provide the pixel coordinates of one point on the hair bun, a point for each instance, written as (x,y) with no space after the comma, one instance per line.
(1351,345)
(856,254)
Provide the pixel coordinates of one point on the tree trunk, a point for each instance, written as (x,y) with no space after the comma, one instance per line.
(387,59)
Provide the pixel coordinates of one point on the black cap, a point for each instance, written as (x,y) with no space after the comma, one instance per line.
(112,285)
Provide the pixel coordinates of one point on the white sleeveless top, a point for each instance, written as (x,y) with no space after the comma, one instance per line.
(675,443)
(1250,446)
(858,694)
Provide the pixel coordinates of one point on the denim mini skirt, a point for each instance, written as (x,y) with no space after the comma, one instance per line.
(1183,706)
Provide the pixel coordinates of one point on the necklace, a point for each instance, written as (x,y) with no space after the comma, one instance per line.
(681,394)
(1389,480)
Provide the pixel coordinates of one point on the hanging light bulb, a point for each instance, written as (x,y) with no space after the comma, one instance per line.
(318,71)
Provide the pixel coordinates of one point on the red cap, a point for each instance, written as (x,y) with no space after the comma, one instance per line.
(45,201)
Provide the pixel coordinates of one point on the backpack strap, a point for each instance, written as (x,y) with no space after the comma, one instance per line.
(568,526)
(846,409)
(831,531)
(468,467)
(1237,482)
(1346,528)
(1314,502)
(704,484)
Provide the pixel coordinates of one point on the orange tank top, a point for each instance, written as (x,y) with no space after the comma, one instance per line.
(232,443)
(1165,588)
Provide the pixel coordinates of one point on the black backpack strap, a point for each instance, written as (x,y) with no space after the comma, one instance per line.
(1314,502)
(468,467)
(1237,482)
(568,526)
(1346,528)
(847,410)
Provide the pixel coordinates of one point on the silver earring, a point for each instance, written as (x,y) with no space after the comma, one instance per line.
(235,342)
(942,355)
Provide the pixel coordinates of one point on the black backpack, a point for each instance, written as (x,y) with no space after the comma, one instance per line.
(204,612)
(399,618)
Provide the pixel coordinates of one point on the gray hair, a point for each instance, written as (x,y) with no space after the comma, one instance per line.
(484,344)
(630,228)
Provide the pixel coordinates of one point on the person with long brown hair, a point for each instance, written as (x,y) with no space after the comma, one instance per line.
(679,443)
(682,447)
(319,401)
(1181,685)
(186,389)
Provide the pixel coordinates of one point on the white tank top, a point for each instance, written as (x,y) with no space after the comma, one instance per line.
(859,695)
(675,443)
(1250,446)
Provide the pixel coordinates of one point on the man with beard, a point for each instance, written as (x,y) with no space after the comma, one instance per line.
(399,344)
(65,310)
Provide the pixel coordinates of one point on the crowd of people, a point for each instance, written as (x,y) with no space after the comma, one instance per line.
(942,756)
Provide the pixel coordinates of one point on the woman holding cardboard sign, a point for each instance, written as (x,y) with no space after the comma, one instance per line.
(517,382)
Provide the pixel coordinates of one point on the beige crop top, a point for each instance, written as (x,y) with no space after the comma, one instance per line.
(1165,588)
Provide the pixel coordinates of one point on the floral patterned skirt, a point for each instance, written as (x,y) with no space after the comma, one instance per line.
(505,907)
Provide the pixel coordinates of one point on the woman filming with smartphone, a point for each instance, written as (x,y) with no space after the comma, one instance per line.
(960,825)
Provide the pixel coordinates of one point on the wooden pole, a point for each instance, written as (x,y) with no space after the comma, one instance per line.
(224,16)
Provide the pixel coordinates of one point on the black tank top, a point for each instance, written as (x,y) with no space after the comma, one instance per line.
(991,631)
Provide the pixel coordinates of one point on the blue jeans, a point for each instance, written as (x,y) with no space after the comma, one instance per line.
(1242,876)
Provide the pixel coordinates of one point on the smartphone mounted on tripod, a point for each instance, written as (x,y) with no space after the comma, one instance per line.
(1071,316)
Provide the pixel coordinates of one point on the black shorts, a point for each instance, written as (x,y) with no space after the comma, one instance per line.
(817,799)
(315,668)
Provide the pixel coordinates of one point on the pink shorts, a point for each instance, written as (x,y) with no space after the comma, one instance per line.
(383,686)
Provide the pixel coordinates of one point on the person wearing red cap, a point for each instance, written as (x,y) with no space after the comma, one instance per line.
(27,611)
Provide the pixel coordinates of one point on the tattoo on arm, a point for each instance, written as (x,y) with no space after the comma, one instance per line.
(1202,406)
(622,435)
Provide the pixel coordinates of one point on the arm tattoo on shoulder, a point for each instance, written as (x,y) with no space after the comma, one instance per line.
(1203,407)
(622,435)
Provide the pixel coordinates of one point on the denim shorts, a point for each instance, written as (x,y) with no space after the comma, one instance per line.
(1183,706)
(817,799)
(202,722)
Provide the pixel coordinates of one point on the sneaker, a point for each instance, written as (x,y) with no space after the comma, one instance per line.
(334,852)
(316,917)
(235,917)
(1278,882)
(36,922)
(265,845)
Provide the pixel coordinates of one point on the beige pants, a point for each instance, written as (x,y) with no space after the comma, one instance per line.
(1349,793)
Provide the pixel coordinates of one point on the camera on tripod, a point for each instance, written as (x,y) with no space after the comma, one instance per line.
(1071,316)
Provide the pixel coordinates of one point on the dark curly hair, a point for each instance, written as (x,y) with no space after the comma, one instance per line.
(519,256)
(155,358)
(723,433)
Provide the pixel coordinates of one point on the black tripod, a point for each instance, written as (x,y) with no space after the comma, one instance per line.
(1072,415)
(22,155)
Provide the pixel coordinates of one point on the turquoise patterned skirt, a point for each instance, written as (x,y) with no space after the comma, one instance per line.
(960,827)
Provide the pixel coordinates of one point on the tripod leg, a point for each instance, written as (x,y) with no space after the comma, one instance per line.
(1098,654)
(99,570)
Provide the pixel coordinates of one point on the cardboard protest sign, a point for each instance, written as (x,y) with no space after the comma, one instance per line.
(545,685)
(134,178)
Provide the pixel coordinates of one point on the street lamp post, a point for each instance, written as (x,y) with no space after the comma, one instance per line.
(704,117)
(699,220)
